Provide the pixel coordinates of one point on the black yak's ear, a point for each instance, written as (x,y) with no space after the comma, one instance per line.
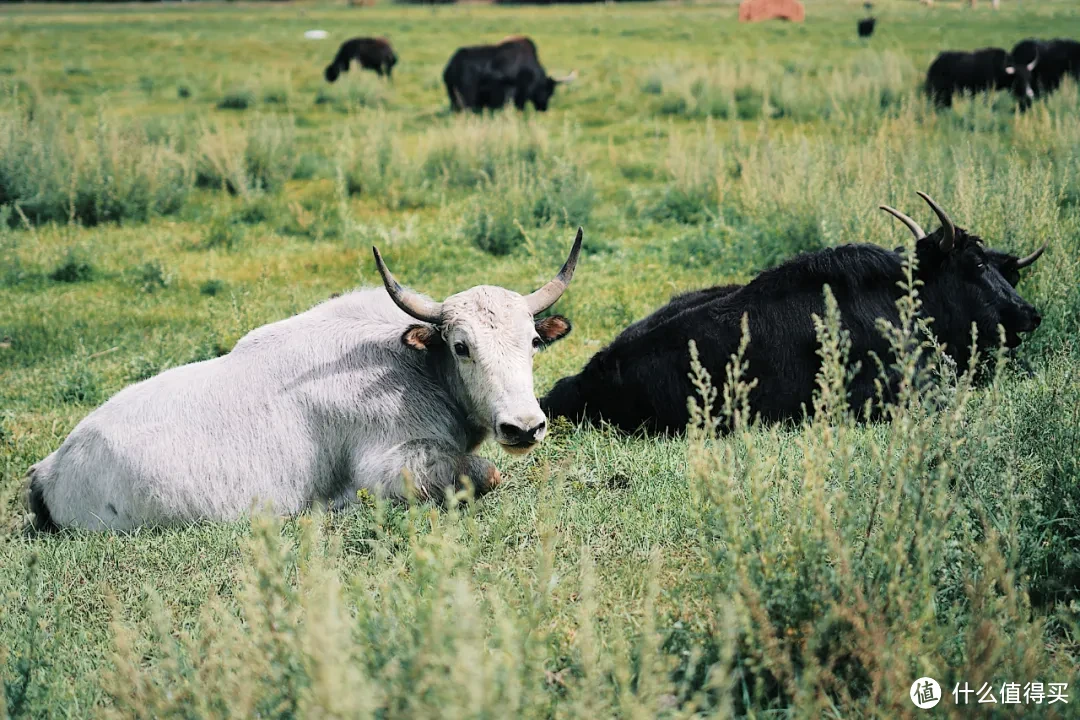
(421,337)
(552,328)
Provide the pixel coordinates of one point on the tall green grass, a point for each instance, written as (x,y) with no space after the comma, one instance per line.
(54,170)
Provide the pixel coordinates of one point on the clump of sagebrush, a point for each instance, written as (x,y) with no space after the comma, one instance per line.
(150,276)
(473,149)
(212,287)
(293,640)
(240,98)
(258,156)
(834,540)
(225,231)
(317,219)
(75,267)
(523,197)
(278,94)
(62,169)
(692,192)
(860,90)
(309,165)
(374,165)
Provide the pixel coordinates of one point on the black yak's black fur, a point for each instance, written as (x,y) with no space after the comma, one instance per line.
(1054,59)
(641,379)
(371,54)
(866,27)
(484,77)
(954,73)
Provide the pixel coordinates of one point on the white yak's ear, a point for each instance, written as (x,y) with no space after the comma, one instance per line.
(421,337)
(552,328)
(1010,70)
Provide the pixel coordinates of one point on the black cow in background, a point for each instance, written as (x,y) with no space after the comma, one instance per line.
(866,25)
(1053,60)
(371,54)
(973,72)
(640,380)
(484,77)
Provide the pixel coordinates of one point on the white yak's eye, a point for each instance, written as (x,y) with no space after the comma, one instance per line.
(536,343)
(461,349)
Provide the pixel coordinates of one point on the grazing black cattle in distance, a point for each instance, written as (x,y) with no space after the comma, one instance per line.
(370,53)
(484,77)
(866,27)
(978,71)
(1056,60)
(640,381)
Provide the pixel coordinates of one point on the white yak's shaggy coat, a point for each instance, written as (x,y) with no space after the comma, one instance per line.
(308,409)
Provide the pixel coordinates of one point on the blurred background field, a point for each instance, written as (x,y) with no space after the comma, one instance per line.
(173,176)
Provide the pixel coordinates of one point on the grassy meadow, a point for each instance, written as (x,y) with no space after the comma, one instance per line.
(172,177)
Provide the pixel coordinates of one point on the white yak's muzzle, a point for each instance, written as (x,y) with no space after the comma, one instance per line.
(519,434)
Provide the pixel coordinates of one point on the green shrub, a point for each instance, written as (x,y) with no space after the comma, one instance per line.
(150,276)
(525,197)
(255,210)
(276,96)
(375,166)
(308,166)
(72,269)
(258,157)
(473,150)
(237,99)
(56,170)
(316,219)
(212,287)
(224,231)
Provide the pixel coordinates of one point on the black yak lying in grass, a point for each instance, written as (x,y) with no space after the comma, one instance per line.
(640,381)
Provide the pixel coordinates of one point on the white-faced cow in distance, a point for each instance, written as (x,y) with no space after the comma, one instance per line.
(357,393)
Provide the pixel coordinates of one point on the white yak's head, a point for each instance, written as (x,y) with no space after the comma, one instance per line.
(491,334)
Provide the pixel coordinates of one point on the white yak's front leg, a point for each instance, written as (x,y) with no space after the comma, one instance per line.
(434,467)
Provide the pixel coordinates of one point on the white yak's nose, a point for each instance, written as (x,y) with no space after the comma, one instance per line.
(521,432)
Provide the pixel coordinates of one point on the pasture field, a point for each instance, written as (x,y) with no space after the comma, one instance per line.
(173,177)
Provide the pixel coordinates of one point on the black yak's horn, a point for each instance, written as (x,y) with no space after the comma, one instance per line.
(913,226)
(949,238)
(1025,261)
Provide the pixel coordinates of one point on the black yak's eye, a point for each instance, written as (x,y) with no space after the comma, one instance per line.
(461,349)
